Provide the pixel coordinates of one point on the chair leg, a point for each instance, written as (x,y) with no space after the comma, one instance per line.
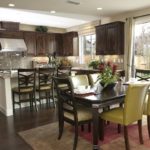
(140,131)
(53,99)
(119,128)
(89,127)
(76,137)
(40,98)
(13,98)
(126,138)
(47,103)
(148,125)
(82,127)
(101,129)
(61,128)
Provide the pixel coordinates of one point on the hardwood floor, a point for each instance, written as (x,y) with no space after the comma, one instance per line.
(22,120)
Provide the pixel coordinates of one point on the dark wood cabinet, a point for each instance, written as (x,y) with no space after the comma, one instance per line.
(30,40)
(100,40)
(58,44)
(69,43)
(10,26)
(11,34)
(41,43)
(110,39)
(50,47)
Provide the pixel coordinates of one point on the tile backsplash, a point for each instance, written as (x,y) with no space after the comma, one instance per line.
(15,61)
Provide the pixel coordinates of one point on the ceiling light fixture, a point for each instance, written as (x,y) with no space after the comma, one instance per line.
(99,8)
(11,5)
(52,11)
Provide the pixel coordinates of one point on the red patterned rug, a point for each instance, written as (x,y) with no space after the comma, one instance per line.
(111,134)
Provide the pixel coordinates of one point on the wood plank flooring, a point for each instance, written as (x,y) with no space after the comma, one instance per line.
(22,120)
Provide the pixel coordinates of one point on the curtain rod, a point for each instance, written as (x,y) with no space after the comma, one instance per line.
(141,16)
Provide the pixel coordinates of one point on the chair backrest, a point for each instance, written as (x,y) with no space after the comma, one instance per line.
(66,102)
(64,71)
(45,76)
(134,102)
(142,74)
(26,79)
(93,78)
(147,104)
(79,80)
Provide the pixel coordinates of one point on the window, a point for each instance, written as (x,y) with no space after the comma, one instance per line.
(142,45)
(89,44)
(87,47)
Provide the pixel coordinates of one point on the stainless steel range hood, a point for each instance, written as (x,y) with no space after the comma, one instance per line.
(12,45)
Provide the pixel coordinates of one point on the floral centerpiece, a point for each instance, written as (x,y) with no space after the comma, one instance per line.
(108,76)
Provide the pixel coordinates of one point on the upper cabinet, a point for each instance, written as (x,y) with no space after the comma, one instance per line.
(11,34)
(70,42)
(30,40)
(58,44)
(110,39)
(41,43)
(9,26)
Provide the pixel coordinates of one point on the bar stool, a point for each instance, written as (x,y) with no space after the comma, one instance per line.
(25,89)
(45,85)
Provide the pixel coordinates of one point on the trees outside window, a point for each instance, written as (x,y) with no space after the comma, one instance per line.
(142,45)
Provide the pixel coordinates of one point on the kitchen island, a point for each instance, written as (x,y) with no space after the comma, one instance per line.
(6,95)
(8,80)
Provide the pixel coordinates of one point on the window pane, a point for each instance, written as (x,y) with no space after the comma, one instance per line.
(142,45)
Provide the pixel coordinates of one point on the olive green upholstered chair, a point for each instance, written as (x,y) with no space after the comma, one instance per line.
(79,80)
(93,78)
(68,110)
(131,112)
(147,111)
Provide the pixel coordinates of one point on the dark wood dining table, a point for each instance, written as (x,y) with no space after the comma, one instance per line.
(104,98)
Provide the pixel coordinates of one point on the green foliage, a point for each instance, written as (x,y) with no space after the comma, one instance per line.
(94,64)
(108,74)
(41,29)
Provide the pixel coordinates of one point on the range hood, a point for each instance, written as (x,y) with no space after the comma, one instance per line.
(12,45)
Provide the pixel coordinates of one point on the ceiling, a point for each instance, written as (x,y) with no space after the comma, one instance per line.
(67,14)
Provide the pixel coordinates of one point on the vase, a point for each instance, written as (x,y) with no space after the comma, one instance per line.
(109,86)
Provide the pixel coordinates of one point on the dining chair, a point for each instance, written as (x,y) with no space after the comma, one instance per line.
(45,86)
(142,74)
(131,112)
(63,71)
(79,80)
(146,111)
(93,78)
(68,110)
(25,89)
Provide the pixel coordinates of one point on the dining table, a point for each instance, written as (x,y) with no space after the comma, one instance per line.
(98,100)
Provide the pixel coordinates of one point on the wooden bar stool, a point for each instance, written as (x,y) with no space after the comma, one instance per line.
(45,85)
(25,89)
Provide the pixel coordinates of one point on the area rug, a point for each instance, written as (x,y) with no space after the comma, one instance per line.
(45,138)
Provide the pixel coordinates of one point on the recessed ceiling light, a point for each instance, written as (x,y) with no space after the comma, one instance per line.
(99,8)
(53,12)
(11,5)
